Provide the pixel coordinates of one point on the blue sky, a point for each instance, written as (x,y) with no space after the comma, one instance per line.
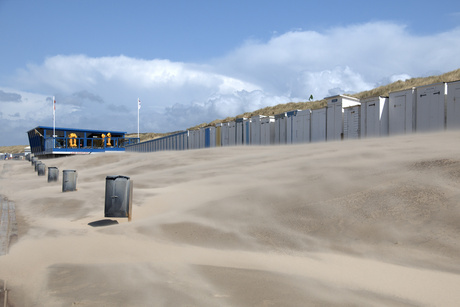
(196,61)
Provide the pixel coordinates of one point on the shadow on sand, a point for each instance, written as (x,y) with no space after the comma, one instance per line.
(102,223)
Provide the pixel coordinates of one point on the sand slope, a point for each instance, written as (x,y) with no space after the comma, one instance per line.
(369,222)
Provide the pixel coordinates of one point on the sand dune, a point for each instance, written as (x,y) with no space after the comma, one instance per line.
(369,222)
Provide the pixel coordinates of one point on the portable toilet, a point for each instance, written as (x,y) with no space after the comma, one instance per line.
(401,112)
(352,122)
(453,105)
(374,116)
(430,107)
(335,105)
(318,125)
(301,126)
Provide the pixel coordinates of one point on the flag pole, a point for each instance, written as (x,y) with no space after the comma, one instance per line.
(54,121)
(138,108)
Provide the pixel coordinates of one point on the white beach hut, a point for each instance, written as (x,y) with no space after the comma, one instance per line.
(290,126)
(255,129)
(335,105)
(318,125)
(194,139)
(453,105)
(247,132)
(182,141)
(301,126)
(374,116)
(210,136)
(283,127)
(430,106)
(231,133)
(218,134)
(224,131)
(239,122)
(280,128)
(267,130)
(352,122)
(202,137)
(401,112)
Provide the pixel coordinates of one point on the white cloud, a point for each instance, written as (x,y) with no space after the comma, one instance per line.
(324,83)
(373,51)
(101,93)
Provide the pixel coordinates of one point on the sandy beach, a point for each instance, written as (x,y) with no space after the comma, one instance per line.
(372,222)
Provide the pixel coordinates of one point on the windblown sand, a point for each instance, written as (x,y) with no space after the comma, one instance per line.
(369,222)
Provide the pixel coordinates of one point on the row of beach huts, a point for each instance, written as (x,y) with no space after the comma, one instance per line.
(427,108)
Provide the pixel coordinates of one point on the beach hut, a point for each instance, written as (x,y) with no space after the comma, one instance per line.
(175,142)
(335,110)
(239,123)
(267,130)
(374,116)
(284,127)
(194,139)
(181,140)
(453,105)
(148,146)
(247,132)
(202,138)
(169,143)
(224,134)
(280,128)
(231,133)
(318,125)
(255,129)
(301,126)
(185,140)
(290,125)
(212,133)
(219,135)
(352,122)
(401,112)
(430,106)
(210,137)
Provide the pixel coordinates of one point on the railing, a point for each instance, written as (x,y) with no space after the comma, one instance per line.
(87,144)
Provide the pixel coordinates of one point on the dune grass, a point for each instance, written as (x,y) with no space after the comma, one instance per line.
(379,91)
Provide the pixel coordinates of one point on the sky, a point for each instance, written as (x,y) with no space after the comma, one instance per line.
(191,62)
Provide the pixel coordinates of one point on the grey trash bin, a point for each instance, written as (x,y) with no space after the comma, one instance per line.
(53,173)
(69,180)
(37,163)
(118,196)
(33,160)
(41,169)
